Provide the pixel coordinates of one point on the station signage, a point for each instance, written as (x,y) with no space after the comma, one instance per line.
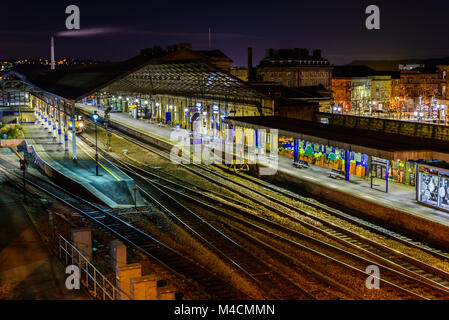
(379,161)
(433,187)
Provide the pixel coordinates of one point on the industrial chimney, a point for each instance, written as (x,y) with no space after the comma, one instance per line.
(52,48)
(250,65)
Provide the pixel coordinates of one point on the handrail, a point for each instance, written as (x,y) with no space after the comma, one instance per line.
(98,280)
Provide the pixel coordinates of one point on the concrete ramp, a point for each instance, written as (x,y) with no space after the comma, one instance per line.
(112,187)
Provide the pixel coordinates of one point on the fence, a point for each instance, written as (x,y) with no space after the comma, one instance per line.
(94,281)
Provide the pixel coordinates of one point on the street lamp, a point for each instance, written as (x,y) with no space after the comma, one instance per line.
(95,117)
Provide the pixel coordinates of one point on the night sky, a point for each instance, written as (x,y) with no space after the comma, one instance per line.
(116,30)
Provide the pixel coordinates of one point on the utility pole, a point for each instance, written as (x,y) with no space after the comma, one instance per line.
(95,117)
(106,126)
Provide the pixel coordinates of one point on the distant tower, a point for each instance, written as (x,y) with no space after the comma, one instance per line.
(210,39)
(52,63)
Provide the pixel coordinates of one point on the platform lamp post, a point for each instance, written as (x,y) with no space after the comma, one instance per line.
(95,118)
(106,125)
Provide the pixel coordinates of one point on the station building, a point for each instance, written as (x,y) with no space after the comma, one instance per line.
(178,87)
(189,89)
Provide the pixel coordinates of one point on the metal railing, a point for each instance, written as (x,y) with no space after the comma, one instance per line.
(94,281)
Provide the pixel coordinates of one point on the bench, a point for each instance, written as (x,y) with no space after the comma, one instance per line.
(337,174)
(301,164)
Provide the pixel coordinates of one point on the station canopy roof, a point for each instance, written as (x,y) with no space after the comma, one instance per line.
(183,72)
(14,80)
(383,145)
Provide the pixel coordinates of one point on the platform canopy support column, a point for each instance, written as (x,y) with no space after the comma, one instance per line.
(273,143)
(73,132)
(347,164)
(41,113)
(387,175)
(296,150)
(60,117)
(66,133)
(256,136)
(45,115)
(54,117)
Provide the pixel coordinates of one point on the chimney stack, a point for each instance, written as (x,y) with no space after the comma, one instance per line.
(52,49)
(250,64)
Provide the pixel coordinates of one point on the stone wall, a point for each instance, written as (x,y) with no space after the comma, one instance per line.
(7,143)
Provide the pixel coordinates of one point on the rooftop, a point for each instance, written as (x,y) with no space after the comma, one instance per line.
(349,71)
(154,71)
(305,92)
(292,57)
(384,145)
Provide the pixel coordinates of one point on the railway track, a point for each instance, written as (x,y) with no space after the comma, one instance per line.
(438,253)
(172,260)
(274,284)
(271,282)
(394,281)
(352,239)
(408,265)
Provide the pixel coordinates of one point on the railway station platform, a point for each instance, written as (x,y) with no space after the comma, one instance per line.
(112,186)
(398,207)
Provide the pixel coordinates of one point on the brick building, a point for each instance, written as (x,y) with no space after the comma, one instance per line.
(443,74)
(351,87)
(295,68)
(419,87)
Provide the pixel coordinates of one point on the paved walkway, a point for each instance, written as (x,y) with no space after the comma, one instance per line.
(112,185)
(399,196)
(28,271)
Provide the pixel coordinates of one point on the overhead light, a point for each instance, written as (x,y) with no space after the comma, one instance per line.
(186,109)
